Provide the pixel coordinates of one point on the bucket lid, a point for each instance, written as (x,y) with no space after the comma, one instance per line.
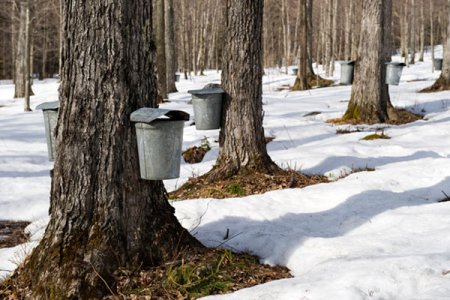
(148,114)
(53,105)
(396,64)
(347,62)
(206,91)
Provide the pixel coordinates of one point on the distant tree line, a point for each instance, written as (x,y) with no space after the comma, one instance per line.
(193,34)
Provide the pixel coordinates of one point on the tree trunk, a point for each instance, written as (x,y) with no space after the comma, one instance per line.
(21,54)
(160,50)
(44,56)
(328,36)
(301,82)
(432,36)
(309,42)
(443,82)
(406,30)
(334,42)
(241,138)
(170,46)
(422,31)
(356,30)
(285,26)
(321,47)
(413,33)
(348,33)
(29,60)
(185,37)
(370,102)
(13,41)
(103,216)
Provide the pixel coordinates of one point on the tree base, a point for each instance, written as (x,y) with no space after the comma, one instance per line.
(313,81)
(216,272)
(42,278)
(402,117)
(440,85)
(242,185)
(225,169)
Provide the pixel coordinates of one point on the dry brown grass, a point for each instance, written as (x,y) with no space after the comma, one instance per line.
(244,184)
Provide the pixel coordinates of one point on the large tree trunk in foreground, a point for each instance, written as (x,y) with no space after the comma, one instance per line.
(103,216)
(242,135)
(370,102)
(301,82)
(443,82)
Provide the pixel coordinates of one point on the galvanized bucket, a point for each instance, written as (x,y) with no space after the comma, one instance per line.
(394,72)
(159,135)
(177,77)
(207,108)
(50,111)
(294,71)
(347,71)
(438,64)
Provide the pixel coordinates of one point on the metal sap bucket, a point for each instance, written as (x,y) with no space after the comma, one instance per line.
(394,72)
(294,71)
(159,135)
(177,77)
(207,108)
(347,71)
(50,111)
(438,64)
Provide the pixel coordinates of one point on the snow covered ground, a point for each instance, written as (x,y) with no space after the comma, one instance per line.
(371,235)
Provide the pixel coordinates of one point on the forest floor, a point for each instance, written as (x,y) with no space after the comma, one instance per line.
(12,233)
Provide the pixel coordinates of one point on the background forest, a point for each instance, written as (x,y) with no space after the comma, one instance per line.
(198,33)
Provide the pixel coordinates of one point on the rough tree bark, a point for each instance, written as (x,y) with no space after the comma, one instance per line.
(301,82)
(370,102)
(169,36)
(103,216)
(21,53)
(242,135)
(443,82)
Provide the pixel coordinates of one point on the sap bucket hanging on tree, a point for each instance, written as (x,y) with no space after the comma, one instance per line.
(294,71)
(438,64)
(159,135)
(177,77)
(347,71)
(50,111)
(207,108)
(394,72)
